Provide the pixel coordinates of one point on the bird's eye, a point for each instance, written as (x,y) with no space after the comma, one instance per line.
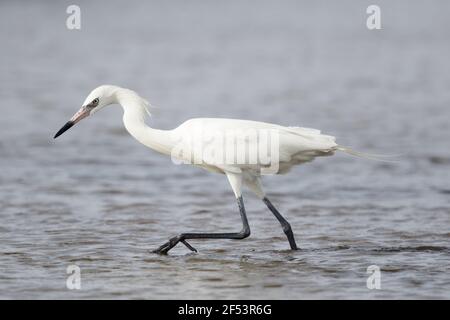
(95,101)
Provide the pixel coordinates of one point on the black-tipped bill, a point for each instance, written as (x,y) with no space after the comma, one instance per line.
(67,126)
(81,114)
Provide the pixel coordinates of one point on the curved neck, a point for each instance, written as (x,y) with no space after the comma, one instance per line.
(135,113)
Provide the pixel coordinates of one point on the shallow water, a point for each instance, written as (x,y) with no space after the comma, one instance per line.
(97,199)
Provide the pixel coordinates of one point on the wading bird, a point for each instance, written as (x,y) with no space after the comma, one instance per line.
(290,146)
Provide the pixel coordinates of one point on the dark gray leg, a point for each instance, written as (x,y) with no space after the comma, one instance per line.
(244,233)
(284,224)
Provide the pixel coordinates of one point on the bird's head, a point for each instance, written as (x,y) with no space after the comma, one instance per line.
(99,98)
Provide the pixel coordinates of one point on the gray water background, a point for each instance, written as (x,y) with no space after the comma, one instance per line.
(98,199)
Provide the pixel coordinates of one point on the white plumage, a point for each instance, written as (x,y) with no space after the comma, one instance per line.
(296,144)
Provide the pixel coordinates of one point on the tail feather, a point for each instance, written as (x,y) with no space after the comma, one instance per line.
(377,157)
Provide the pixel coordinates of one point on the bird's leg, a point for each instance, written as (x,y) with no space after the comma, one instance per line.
(244,233)
(284,224)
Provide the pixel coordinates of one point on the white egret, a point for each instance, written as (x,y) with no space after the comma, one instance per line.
(290,146)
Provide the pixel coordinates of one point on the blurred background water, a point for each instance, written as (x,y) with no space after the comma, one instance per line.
(97,199)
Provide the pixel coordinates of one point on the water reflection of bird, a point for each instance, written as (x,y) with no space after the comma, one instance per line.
(242,150)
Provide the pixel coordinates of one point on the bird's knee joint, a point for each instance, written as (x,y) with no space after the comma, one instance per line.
(287,228)
(245,233)
(181,237)
(177,238)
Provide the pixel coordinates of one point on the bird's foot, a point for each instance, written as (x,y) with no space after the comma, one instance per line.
(189,246)
(172,243)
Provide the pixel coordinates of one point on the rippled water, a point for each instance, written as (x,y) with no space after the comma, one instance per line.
(97,199)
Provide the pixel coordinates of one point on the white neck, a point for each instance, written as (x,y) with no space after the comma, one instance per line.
(134,116)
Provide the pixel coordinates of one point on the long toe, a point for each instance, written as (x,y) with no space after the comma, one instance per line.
(163,249)
(189,246)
